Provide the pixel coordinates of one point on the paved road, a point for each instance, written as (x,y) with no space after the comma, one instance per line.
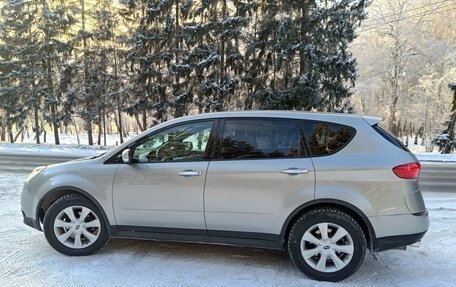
(26,163)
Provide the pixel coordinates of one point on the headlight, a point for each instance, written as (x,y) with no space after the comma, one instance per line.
(36,171)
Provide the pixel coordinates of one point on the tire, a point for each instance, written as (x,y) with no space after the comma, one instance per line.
(76,236)
(308,247)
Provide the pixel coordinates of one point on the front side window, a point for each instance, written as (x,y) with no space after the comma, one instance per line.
(182,143)
(261,138)
(327,138)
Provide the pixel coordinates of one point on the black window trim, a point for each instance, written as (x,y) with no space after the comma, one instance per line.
(216,156)
(213,148)
(207,154)
(304,121)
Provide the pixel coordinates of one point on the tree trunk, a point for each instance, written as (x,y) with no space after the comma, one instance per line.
(116,121)
(222,62)
(119,126)
(104,127)
(2,130)
(99,127)
(10,134)
(144,120)
(50,86)
(55,125)
(89,132)
(37,127)
(77,134)
(18,134)
(88,104)
(138,122)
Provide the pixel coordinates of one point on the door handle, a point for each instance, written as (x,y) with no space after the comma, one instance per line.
(293,170)
(189,173)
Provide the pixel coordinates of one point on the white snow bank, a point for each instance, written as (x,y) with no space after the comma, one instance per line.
(68,139)
(51,150)
(436,157)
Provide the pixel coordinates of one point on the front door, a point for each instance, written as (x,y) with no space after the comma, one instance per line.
(163,187)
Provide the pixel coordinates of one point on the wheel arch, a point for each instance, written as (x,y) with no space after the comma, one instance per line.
(56,193)
(350,209)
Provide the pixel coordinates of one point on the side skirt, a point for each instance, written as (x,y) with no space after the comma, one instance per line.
(240,239)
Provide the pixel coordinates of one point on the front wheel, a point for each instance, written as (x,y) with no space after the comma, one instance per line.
(327,244)
(74,226)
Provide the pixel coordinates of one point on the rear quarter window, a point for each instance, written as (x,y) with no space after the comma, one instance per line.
(390,137)
(327,138)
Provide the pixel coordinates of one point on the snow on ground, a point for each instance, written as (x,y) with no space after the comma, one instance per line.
(436,157)
(51,150)
(26,259)
(82,139)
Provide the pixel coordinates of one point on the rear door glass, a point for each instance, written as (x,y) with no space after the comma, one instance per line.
(261,138)
(327,138)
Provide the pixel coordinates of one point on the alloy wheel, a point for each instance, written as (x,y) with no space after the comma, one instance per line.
(77,227)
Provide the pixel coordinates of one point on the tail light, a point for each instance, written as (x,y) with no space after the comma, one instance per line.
(408,171)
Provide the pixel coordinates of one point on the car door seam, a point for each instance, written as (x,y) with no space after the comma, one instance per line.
(204,194)
(112,194)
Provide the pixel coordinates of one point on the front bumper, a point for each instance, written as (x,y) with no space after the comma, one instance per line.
(28,209)
(31,222)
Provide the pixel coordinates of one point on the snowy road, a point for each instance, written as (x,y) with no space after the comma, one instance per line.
(27,260)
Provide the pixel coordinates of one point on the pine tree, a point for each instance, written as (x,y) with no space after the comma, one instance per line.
(312,70)
(160,59)
(148,58)
(446,140)
(17,47)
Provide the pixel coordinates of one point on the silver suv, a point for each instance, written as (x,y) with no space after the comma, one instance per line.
(324,187)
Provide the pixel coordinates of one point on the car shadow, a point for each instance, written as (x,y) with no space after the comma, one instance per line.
(245,259)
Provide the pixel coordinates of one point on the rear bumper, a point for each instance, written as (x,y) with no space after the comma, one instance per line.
(395,231)
(393,242)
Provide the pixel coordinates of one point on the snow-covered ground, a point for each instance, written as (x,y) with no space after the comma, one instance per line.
(436,157)
(51,150)
(82,139)
(26,259)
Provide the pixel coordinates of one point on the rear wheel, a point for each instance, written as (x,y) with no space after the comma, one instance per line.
(327,244)
(74,226)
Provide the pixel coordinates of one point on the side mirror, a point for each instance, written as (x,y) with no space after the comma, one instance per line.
(126,156)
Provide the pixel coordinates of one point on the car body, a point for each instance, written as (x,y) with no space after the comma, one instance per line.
(242,178)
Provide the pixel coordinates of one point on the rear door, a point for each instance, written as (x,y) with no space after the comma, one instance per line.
(260,174)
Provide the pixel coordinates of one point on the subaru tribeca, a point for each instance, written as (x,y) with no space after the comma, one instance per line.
(324,187)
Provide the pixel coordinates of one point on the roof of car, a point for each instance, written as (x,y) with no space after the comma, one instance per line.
(284,114)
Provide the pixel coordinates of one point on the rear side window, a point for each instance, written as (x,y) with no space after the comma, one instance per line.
(390,137)
(261,138)
(327,138)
